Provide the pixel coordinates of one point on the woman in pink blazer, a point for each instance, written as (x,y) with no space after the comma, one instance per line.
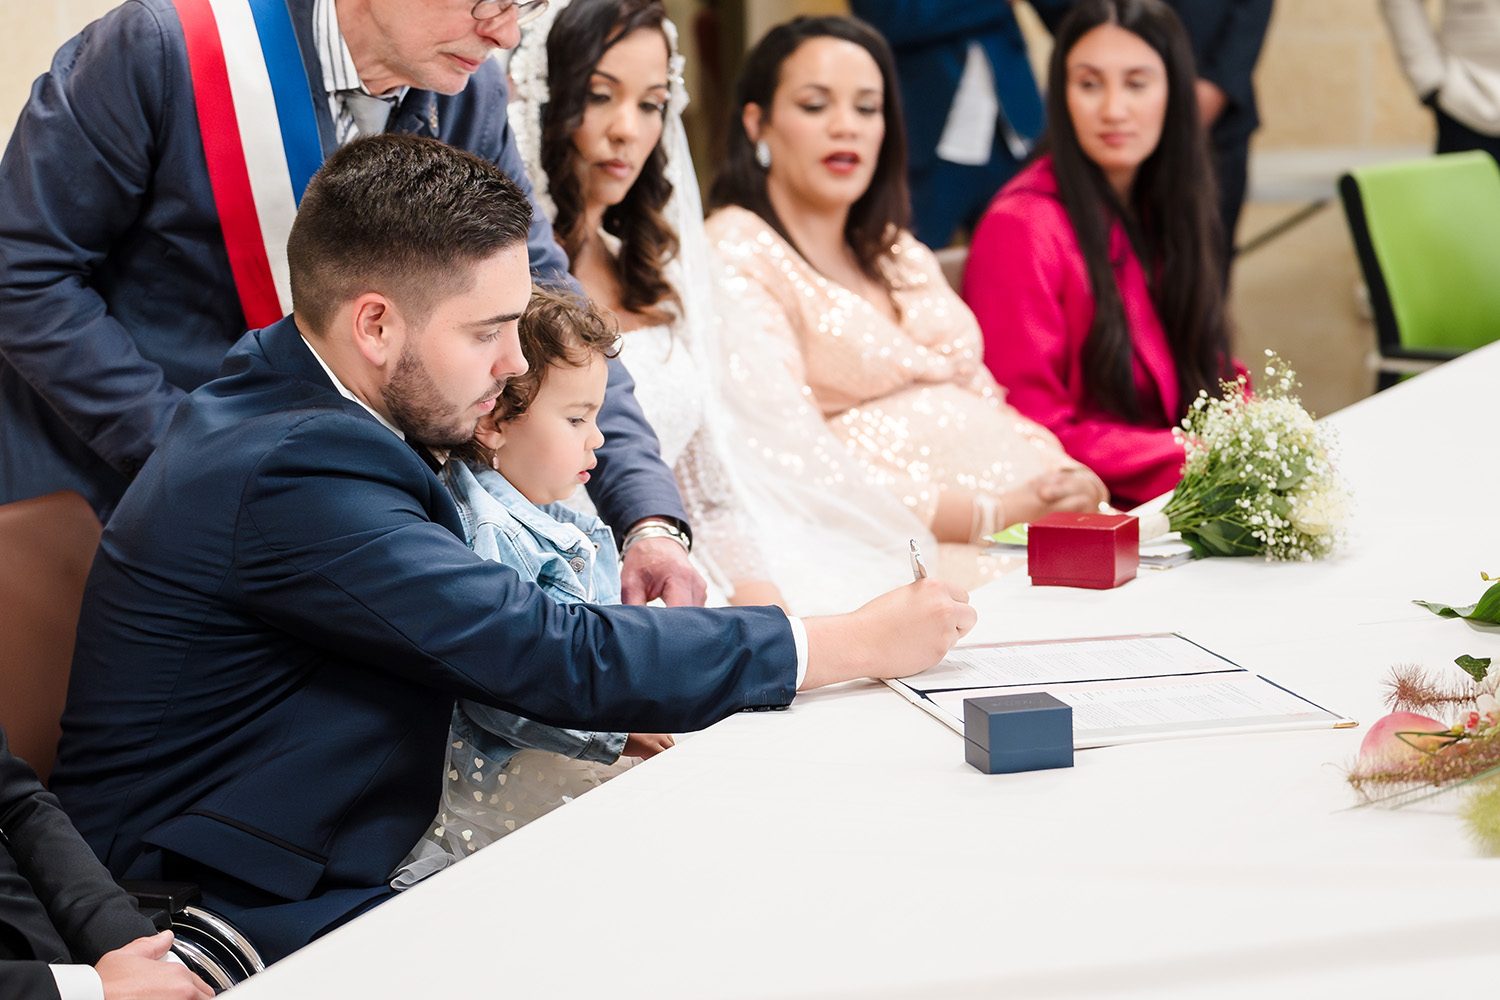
(1105,351)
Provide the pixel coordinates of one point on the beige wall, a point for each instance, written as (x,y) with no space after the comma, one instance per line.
(30,31)
(761,15)
(1329,77)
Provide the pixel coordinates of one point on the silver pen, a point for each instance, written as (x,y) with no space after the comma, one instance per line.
(918,567)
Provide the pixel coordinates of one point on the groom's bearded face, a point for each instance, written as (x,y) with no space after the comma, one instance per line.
(419,407)
(451,369)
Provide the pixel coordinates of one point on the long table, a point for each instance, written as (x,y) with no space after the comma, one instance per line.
(844,848)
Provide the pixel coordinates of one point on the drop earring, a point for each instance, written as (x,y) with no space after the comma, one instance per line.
(763,154)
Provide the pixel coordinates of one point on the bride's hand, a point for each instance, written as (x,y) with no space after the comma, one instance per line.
(1072,488)
(1069,489)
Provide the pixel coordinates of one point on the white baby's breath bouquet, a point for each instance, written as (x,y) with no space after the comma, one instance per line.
(1259,476)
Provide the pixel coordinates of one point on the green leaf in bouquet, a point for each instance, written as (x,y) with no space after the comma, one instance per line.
(1200,551)
(1485,611)
(1476,667)
(1226,499)
(1297,472)
(1224,538)
(1446,610)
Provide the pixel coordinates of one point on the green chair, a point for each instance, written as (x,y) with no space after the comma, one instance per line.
(1427,233)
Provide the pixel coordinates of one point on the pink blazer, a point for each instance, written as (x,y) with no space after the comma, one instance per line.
(1028,286)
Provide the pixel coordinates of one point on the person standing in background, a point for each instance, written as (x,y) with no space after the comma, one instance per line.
(973,109)
(1454,67)
(1226,36)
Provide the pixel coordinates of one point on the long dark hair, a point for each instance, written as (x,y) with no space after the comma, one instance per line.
(579,38)
(1173,218)
(885,206)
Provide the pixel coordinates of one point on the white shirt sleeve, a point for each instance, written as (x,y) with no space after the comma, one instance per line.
(969,131)
(77,982)
(799,638)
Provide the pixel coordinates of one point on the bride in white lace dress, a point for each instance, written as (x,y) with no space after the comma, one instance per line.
(597,99)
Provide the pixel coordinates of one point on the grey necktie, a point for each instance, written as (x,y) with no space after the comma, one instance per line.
(363,115)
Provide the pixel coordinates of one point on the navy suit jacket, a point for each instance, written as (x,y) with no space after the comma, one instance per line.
(57,903)
(116,296)
(931,39)
(280,616)
(1226,36)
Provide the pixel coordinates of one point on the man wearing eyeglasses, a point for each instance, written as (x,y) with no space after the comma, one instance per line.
(148,188)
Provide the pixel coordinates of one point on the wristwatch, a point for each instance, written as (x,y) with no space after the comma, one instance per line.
(656,527)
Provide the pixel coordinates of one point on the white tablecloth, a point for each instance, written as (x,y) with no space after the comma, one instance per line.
(843,847)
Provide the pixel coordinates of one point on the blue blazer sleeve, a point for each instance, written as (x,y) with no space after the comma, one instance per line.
(332,543)
(632,481)
(90,912)
(71,183)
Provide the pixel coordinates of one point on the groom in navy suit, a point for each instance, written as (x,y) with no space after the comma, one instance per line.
(283,610)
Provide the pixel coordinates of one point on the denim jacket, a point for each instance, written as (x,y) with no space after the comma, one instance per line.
(572,557)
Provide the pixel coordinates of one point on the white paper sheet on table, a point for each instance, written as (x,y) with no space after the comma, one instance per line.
(1070,660)
(1123,689)
(1162,552)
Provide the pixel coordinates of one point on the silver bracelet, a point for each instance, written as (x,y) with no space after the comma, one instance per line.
(655,527)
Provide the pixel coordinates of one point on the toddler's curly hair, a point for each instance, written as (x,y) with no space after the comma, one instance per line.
(558,329)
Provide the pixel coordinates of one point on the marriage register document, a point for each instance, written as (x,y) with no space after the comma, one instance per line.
(1123,689)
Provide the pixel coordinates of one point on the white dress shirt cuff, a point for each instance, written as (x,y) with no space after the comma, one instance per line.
(799,638)
(77,982)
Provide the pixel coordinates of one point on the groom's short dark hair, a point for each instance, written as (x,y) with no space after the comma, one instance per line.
(401,215)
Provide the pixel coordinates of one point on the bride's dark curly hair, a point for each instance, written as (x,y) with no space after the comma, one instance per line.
(580,36)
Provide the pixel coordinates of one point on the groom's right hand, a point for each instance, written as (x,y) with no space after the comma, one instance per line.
(899,633)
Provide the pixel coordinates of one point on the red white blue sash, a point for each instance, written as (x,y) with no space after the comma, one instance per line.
(260,137)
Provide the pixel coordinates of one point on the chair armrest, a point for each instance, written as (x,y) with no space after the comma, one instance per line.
(161,901)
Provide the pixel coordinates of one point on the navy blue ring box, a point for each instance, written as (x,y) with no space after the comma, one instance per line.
(1006,733)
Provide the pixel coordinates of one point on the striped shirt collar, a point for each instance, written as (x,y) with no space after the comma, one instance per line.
(339,71)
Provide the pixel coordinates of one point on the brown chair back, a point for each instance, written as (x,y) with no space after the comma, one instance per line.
(46,547)
(953,260)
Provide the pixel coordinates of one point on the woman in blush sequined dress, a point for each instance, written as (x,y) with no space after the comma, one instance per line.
(596,107)
(854,313)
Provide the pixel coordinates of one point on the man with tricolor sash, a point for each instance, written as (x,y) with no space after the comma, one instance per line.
(149,188)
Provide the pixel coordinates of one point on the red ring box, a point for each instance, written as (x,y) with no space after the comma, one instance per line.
(1098,551)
